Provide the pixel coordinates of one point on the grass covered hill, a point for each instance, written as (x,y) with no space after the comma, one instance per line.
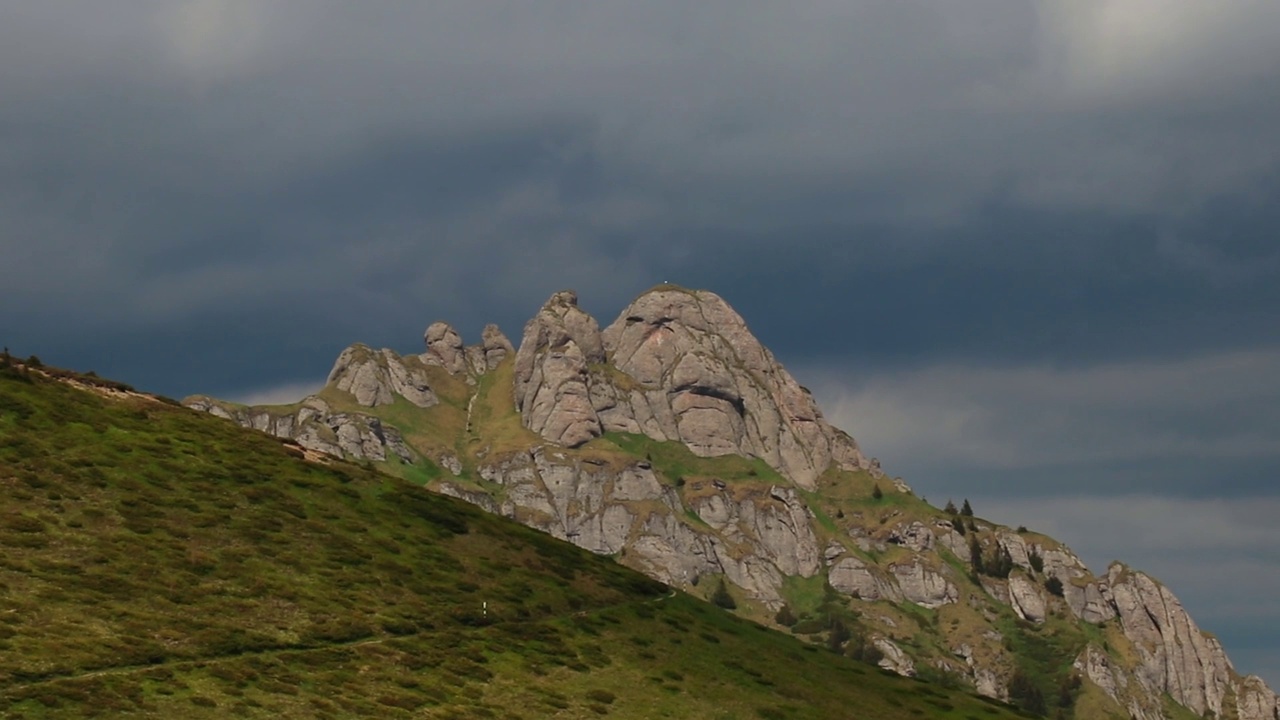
(159,562)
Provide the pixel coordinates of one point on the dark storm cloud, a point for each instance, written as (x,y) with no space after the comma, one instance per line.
(876,186)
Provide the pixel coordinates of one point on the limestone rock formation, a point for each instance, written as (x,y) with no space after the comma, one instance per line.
(1025,599)
(697,375)
(552,372)
(852,576)
(444,348)
(924,586)
(1175,656)
(376,377)
(315,426)
(494,346)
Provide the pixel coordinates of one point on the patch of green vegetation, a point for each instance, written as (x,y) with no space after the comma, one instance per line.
(805,596)
(158,562)
(1045,653)
(674,461)
(814,501)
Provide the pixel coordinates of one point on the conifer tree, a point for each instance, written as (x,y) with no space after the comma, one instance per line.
(722,598)
(975,553)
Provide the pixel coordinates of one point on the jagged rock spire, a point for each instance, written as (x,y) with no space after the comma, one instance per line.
(552,366)
(444,348)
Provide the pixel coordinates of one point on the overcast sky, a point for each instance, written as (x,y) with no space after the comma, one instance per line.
(1026,252)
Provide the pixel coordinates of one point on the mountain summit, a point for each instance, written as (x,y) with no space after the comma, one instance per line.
(674,441)
(675,365)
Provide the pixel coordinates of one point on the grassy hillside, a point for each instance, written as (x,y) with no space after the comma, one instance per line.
(159,562)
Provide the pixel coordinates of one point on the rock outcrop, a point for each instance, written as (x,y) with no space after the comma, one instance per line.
(552,376)
(315,426)
(1175,657)
(923,585)
(494,347)
(444,348)
(375,378)
(675,365)
(1025,599)
(681,366)
(699,376)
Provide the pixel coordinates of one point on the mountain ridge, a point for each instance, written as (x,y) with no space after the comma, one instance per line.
(159,563)
(673,440)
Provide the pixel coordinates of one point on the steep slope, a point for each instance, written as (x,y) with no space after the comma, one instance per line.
(156,562)
(675,441)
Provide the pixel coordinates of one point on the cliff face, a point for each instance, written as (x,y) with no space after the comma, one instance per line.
(676,365)
(675,441)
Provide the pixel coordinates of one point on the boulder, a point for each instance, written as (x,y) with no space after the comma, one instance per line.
(853,577)
(924,586)
(444,348)
(1025,599)
(375,378)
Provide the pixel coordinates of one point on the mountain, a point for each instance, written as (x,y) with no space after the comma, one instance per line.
(675,442)
(157,562)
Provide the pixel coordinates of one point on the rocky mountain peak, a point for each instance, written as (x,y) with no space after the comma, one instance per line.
(676,365)
(666,322)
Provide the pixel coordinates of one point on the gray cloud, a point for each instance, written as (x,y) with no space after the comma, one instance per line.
(1189,419)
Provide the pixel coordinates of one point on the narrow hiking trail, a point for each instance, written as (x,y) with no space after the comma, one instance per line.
(6,690)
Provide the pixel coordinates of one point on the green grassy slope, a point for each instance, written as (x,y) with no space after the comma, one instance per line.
(159,562)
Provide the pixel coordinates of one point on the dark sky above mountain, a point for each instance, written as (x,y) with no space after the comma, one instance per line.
(1025,252)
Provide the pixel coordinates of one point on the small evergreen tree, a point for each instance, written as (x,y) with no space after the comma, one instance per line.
(1024,693)
(966,509)
(1053,585)
(1068,688)
(975,553)
(863,650)
(839,635)
(1037,562)
(1000,564)
(950,509)
(958,524)
(785,617)
(876,492)
(722,598)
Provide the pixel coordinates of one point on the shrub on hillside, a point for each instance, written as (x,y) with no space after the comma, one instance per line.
(722,598)
(1054,586)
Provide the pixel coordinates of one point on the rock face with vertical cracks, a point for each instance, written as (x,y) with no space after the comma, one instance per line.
(702,378)
(376,377)
(676,365)
(552,372)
